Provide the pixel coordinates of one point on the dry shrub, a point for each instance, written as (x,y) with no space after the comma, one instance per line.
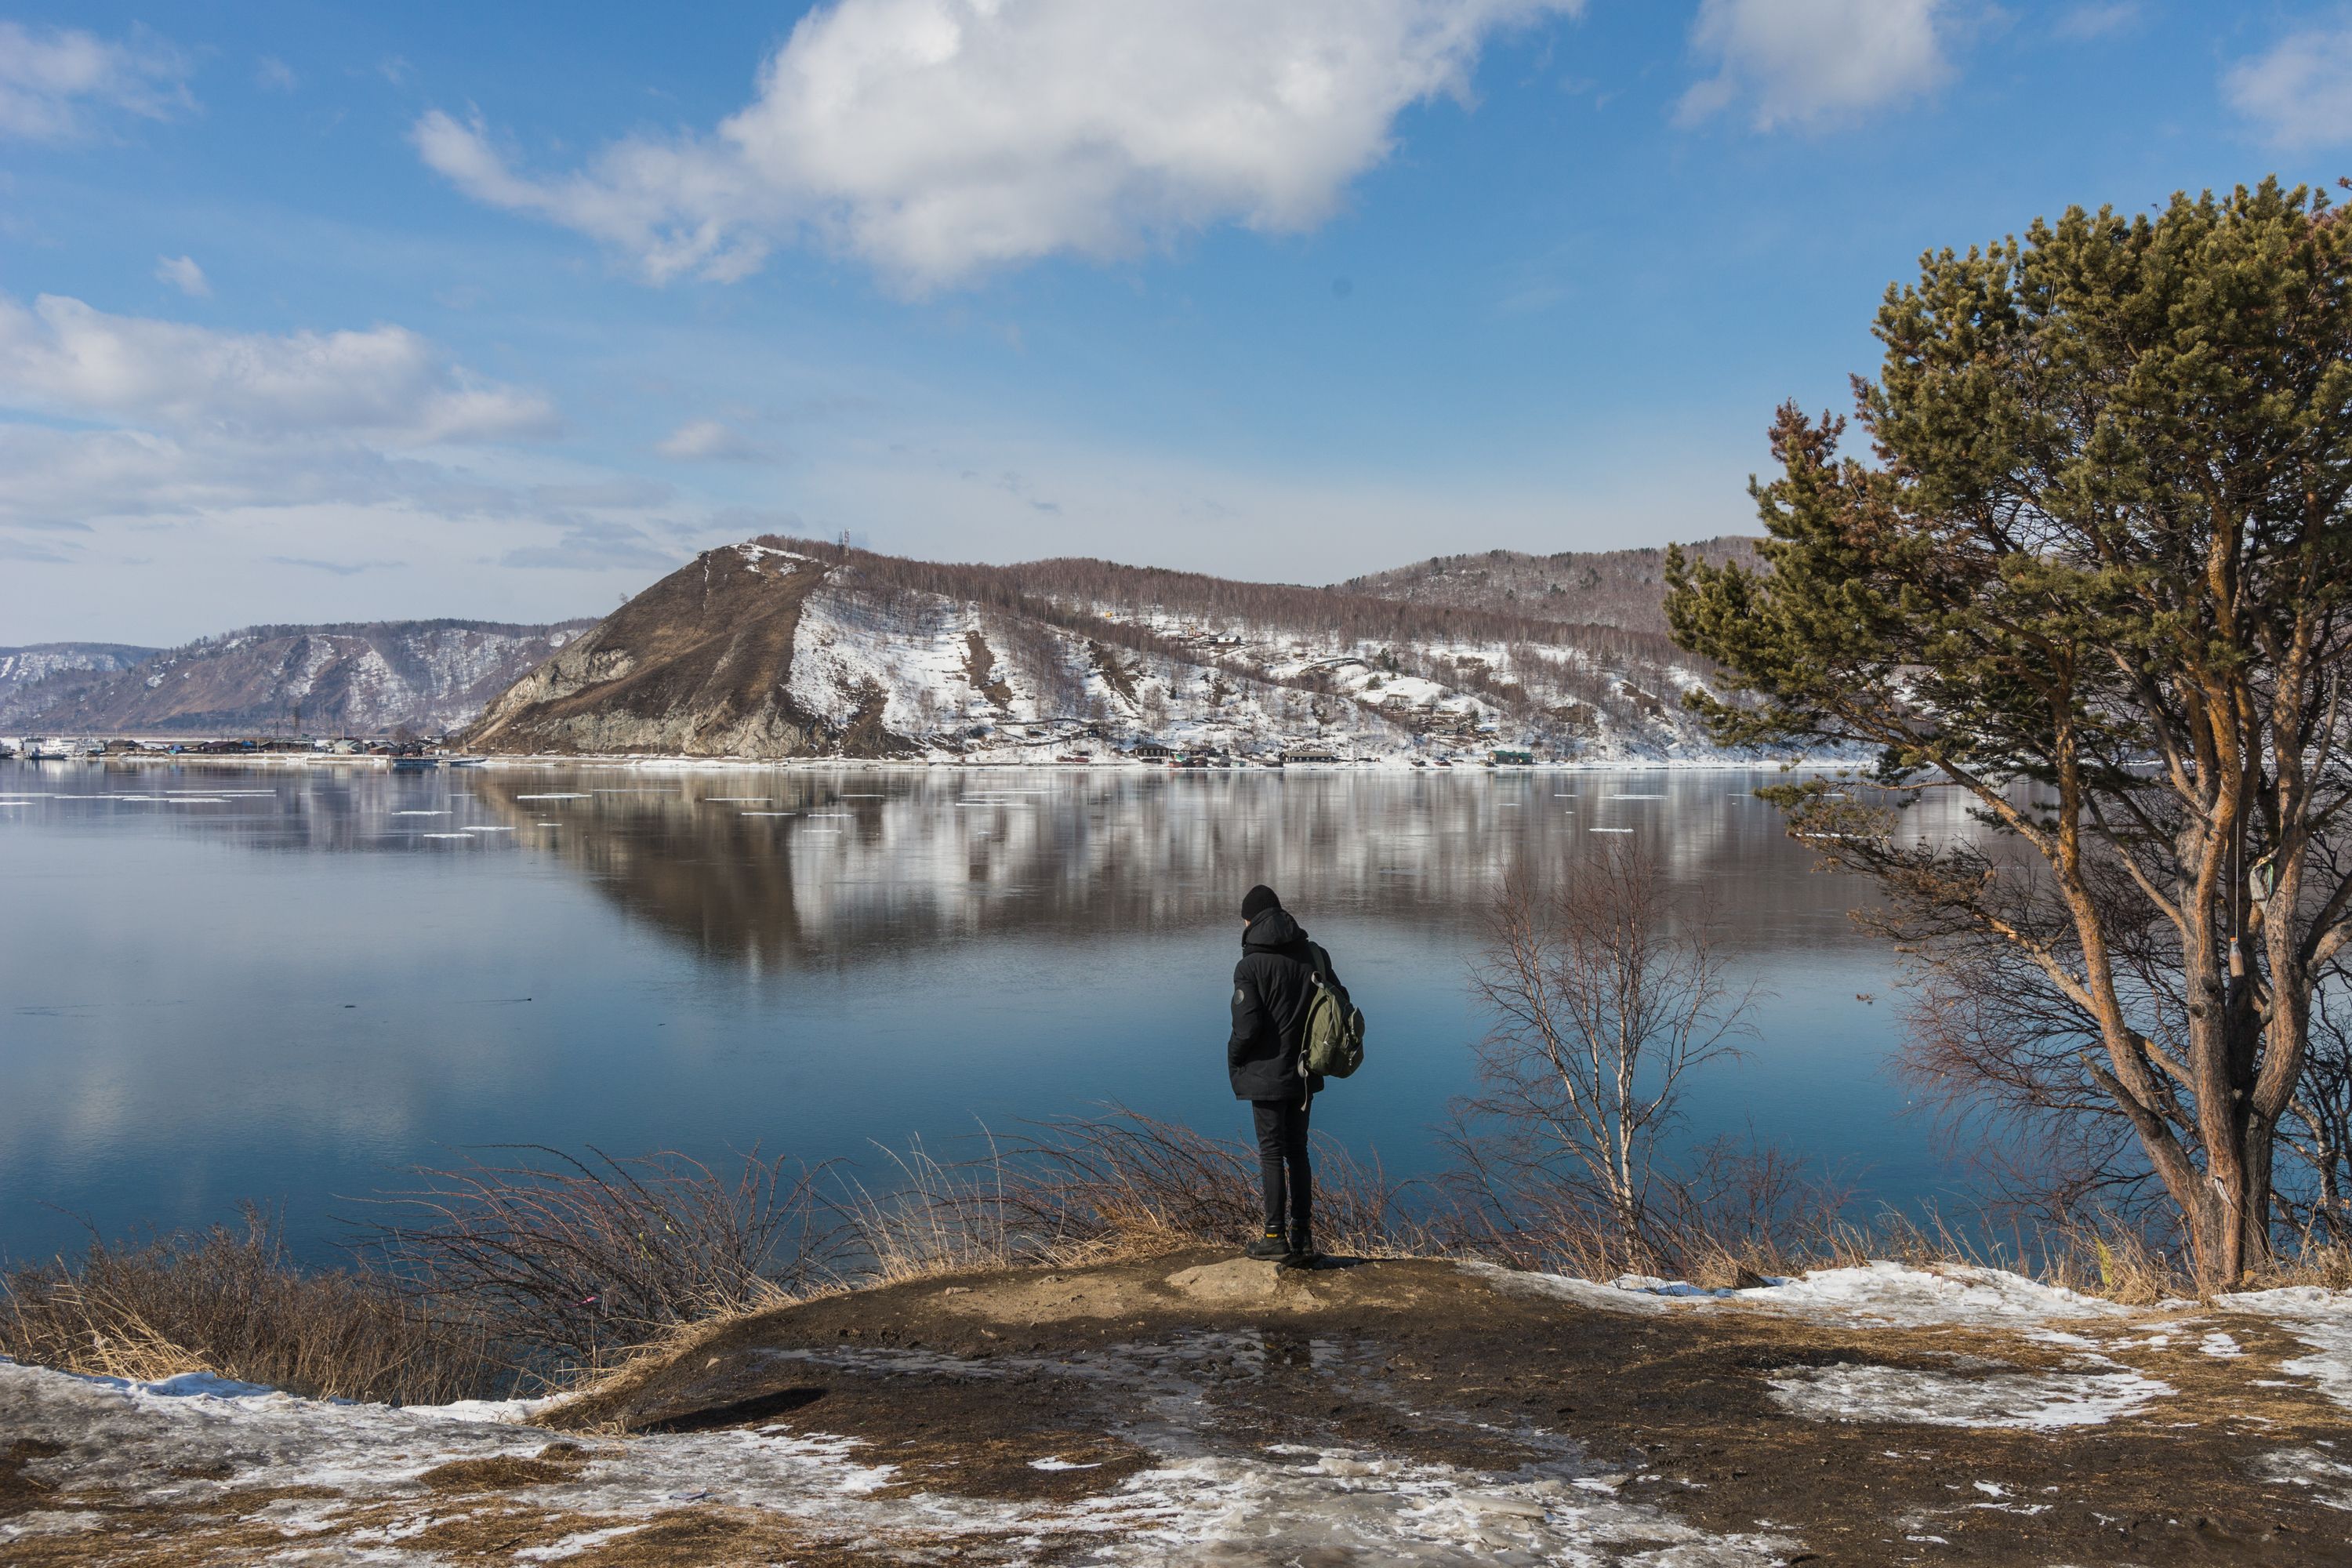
(231,1301)
(571,1261)
(1118,1185)
(1729,1216)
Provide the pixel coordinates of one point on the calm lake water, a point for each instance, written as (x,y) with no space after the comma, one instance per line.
(290,983)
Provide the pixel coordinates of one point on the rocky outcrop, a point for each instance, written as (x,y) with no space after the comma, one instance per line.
(699,665)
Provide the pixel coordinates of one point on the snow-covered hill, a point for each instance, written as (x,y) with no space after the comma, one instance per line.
(778,648)
(372,678)
(44,674)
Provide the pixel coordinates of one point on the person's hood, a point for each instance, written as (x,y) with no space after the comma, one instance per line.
(1275,928)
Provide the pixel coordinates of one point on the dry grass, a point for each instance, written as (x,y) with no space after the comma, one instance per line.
(571,1262)
(231,1301)
(552,1272)
(1093,1189)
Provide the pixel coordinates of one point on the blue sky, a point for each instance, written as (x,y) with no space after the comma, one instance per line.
(323,313)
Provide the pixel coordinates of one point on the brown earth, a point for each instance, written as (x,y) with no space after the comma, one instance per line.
(1422,1360)
(1003,1417)
(693,666)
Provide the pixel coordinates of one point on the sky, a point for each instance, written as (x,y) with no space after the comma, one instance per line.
(315,312)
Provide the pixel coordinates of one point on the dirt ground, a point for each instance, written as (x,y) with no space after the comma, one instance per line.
(1198,1408)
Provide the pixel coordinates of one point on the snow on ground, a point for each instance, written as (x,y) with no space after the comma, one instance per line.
(2013,1399)
(2325,1476)
(1889,1295)
(347,1482)
(1292,1504)
(2320,1318)
(1879,1294)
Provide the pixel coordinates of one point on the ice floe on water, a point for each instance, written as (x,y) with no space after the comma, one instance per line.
(2013,1399)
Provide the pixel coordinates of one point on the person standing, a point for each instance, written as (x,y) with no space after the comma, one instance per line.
(1274,990)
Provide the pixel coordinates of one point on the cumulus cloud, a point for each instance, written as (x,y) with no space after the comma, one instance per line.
(705,439)
(2299,92)
(181,273)
(937,138)
(385,385)
(53,81)
(1809,63)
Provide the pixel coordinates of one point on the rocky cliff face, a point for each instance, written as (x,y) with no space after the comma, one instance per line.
(785,649)
(427,676)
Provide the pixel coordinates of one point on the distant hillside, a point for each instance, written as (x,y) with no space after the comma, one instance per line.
(57,671)
(363,679)
(1606,587)
(781,647)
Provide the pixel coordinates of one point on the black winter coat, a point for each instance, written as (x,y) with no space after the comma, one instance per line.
(1273,986)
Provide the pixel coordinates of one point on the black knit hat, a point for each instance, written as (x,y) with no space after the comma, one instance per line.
(1257,901)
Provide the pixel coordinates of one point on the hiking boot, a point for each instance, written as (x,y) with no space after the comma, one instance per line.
(1270,1246)
(1301,1253)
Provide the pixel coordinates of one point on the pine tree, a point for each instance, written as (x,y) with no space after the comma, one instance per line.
(2095,577)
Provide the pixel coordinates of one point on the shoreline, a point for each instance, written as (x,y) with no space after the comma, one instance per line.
(878,765)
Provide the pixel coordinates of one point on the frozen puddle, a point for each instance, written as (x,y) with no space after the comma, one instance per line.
(367,1499)
(2010,1399)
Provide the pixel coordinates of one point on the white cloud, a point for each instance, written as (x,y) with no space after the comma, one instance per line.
(385,385)
(937,138)
(2300,92)
(181,273)
(1809,63)
(706,440)
(275,74)
(2083,24)
(51,78)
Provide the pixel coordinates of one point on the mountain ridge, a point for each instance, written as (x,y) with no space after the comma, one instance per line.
(343,677)
(780,647)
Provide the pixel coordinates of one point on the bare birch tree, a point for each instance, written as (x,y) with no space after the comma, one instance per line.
(1605,995)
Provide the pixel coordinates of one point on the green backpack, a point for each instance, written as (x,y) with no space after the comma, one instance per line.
(1334,1046)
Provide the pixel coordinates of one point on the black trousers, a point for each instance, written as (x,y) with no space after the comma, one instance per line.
(1282,1149)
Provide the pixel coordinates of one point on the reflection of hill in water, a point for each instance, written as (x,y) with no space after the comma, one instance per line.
(949,858)
(925,859)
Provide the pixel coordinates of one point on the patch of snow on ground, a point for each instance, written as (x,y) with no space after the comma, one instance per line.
(2023,1400)
(1892,1295)
(2327,1479)
(130,1439)
(2320,1318)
